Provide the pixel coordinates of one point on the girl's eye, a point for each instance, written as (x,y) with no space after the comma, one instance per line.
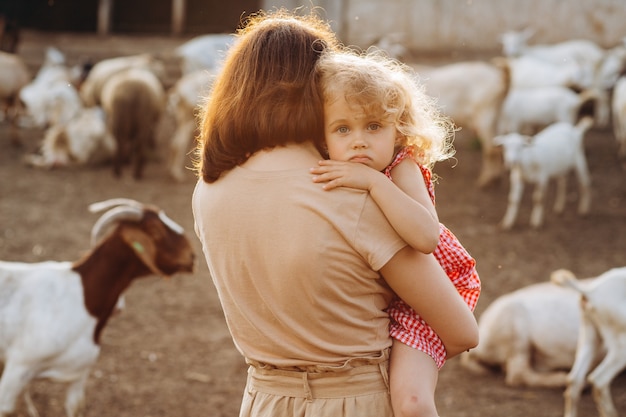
(374,126)
(343,129)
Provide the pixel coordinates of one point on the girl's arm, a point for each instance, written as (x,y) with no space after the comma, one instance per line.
(421,282)
(404,202)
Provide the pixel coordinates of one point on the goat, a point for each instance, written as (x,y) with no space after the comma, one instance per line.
(552,153)
(472,95)
(204,52)
(596,68)
(75,134)
(531,334)
(603,327)
(394,45)
(51,97)
(91,88)
(14,76)
(183,100)
(52,313)
(51,104)
(528,110)
(532,72)
(81,140)
(133,100)
(618,108)
(576,51)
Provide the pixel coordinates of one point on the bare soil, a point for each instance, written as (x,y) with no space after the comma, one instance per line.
(169,353)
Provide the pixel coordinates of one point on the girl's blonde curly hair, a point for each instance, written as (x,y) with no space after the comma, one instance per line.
(387,88)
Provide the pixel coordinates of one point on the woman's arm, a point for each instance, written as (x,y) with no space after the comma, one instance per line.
(410,212)
(421,282)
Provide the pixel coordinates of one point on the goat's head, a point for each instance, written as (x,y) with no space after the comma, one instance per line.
(514,42)
(156,239)
(512,145)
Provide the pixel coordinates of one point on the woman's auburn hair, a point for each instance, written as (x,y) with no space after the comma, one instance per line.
(266,94)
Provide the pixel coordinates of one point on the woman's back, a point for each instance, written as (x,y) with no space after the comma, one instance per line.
(295,265)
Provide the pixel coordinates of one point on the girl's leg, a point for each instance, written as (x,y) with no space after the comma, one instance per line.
(413,379)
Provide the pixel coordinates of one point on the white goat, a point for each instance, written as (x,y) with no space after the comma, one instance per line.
(472,94)
(394,45)
(596,67)
(613,66)
(204,52)
(51,98)
(52,313)
(603,328)
(618,108)
(531,72)
(51,104)
(82,140)
(528,110)
(552,153)
(183,101)
(530,334)
(14,76)
(580,52)
(133,100)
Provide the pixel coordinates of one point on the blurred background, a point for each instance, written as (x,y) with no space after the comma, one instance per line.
(428,25)
(169,353)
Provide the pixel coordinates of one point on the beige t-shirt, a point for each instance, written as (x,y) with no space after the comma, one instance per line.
(294,266)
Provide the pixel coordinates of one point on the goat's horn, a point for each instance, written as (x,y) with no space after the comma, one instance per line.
(112,216)
(113,202)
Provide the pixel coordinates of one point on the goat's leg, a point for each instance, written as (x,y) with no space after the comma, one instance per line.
(14,378)
(75,399)
(136,152)
(561,194)
(142,144)
(536,215)
(515,196)
(619,129)
(586,351)
(584,185)
(602,376)
(486,128)
(30,405)
(118,160)
(179,148)
(519,371)
(621,150)
(492,167)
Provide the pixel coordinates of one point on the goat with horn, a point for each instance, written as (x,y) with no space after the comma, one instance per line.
(52,313)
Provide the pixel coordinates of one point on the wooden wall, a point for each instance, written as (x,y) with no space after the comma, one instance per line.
(435,25)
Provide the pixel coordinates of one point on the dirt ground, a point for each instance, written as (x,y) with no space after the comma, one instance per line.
(169,353)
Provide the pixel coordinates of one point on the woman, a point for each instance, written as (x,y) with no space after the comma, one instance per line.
(298,269)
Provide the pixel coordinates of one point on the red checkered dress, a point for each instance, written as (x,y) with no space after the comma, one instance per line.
(406,325)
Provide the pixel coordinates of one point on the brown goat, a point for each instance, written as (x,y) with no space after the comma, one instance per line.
(144,242)
(52,313)
(134,100)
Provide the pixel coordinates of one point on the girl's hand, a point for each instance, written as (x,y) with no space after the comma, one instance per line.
(345,174)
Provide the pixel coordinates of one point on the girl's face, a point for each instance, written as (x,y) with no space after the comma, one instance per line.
(351,135)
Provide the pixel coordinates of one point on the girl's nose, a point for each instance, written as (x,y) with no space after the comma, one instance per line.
(359,143)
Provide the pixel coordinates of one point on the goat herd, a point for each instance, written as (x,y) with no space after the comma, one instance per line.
(530,108)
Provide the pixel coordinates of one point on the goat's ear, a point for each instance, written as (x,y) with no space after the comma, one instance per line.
(143,246)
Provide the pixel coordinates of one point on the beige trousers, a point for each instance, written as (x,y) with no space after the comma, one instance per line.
(362,391)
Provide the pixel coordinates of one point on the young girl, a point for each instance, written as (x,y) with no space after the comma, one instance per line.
(379,125)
